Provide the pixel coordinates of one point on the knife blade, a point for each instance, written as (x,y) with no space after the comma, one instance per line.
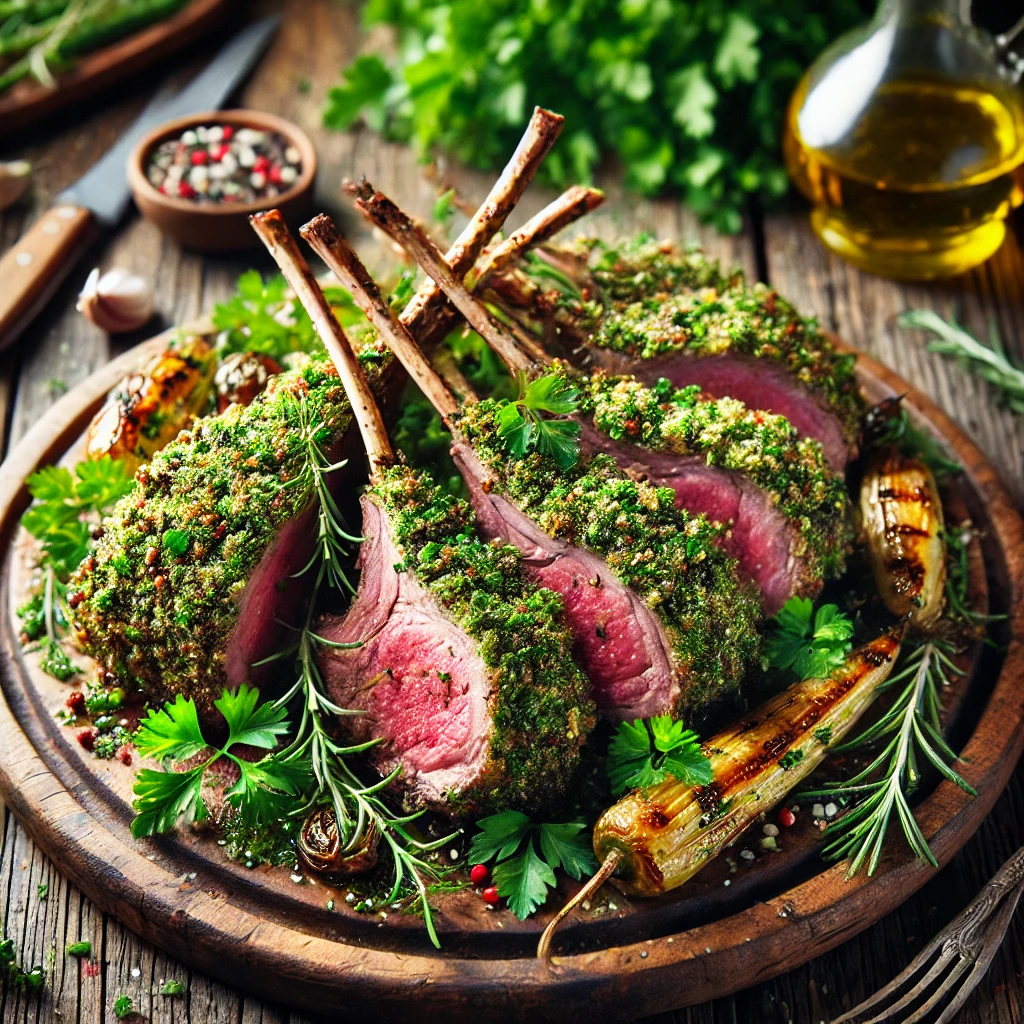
(36,265)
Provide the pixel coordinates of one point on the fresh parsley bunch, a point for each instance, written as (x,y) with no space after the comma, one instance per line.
(812,644)
(523,427)
(647,751)
(689,95)
(66,505)
(172,735)
(522,875)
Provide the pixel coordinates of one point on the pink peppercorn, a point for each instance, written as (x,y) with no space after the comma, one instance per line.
(221,151)
(186,191)
(490,895)
(124,754)
(478,874)
(228,131)
(76,702)
(274,174)
(261,165)
(87,737)
(198,157)
(787,817)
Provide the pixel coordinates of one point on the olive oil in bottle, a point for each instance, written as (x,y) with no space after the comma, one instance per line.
(908,143)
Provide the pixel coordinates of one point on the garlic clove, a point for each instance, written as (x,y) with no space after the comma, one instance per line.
(15,176)
(118,301)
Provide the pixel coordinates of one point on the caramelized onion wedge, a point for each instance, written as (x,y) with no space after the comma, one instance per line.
(902,516)
(148,409)
(666,834)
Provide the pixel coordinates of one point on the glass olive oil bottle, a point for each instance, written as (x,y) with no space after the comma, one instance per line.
(909,142)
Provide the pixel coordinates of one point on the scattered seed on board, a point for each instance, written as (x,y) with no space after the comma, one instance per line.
(747,855)
(818,810)
(831,810)
(770,830)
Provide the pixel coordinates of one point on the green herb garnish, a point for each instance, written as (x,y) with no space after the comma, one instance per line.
(523,428)
(522,875)
(62,516)
(812,644)
(83,948)
(912,734)
(123,1005)
(990,361)
(263,316)
(172,988)
(647,751)
(173,734)
(688,95)
(31,979)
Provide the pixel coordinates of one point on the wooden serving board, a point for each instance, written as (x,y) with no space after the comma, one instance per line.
(261,930)
(28,101)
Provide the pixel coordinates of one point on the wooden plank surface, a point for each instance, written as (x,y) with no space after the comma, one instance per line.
(61,349)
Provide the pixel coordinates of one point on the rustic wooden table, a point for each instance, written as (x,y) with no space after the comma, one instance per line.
(62,348)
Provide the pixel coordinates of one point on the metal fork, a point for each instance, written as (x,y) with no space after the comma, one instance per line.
(945,972)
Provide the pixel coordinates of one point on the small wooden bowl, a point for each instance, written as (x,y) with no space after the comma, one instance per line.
(219,227)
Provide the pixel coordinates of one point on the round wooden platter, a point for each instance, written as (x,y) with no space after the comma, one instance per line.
(266,932)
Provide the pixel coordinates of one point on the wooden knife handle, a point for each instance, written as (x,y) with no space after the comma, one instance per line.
(33,268)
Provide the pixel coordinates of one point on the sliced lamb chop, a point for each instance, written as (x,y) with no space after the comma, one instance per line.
(786,510)
(655,311)
(464,669)
(662,623)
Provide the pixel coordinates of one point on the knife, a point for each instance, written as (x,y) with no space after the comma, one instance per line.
(34,267)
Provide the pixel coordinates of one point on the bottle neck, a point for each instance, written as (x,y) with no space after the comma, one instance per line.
(954,12)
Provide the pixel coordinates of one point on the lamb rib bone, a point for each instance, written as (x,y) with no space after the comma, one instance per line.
(280,243)
(428,315)
(436,653)
(682,650)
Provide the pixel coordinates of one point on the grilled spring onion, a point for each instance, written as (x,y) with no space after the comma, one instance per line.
(653,840)
(902,517)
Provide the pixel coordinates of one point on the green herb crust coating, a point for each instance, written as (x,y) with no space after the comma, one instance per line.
(157,600)
(652,299)
(540,704)
(790,469)
(673,561)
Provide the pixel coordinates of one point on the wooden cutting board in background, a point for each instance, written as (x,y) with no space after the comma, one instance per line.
(28,102)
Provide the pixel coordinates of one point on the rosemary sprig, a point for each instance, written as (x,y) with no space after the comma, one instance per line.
(358,807)
(912,734)
(989,361)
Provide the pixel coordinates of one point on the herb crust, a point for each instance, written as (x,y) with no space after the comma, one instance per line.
(725,433)
(540,706)
(646,299)
(672,560)
(157,599)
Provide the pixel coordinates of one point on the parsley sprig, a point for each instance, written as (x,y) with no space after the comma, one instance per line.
(523,427)
(172,735)
(912,736)
(645,752)
(812,644)
(523,876)
(66,506)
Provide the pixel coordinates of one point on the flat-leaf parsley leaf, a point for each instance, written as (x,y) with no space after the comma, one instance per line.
(522,875)
(647,751)
(812,644)
(523,427)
